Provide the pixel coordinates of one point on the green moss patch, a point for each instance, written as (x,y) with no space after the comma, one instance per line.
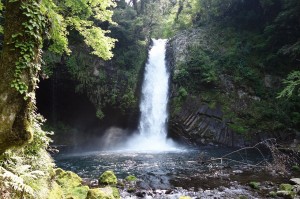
(254,185)
(108,178)
(103,193)
(131,178)
(286,187)
(71,184)
(185,197)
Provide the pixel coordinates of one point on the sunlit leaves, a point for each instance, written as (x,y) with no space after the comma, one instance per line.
(100,9)
(57,30)
(95,37)
(1,8)
(292,83)
(78,14)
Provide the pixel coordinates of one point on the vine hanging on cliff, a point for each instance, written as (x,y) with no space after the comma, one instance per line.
(26,42)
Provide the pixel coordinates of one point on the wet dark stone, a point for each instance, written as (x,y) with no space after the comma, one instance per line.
(221,188)
(131,190)
(169,191)
(140,194)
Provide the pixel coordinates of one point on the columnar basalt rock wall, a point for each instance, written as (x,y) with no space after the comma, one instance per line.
(200,120)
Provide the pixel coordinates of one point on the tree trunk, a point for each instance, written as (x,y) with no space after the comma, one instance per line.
(135,6)
(15,111)
(142,6)
(180,8)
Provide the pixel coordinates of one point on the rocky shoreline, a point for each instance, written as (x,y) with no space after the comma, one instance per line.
(235,182)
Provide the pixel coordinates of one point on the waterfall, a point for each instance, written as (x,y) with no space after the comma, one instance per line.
(154,101)
(152,131)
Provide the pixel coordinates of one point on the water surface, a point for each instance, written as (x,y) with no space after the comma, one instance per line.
(154,169)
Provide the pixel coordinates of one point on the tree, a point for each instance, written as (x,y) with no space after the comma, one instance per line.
(28,23)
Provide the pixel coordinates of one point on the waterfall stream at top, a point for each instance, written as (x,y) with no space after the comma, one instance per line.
(152,130)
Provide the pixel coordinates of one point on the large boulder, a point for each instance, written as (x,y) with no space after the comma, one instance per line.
(295,181)
(108,178)
(98,194)
(69,185)
(103,193)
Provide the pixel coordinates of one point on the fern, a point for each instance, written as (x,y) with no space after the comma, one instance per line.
(25,172)
(292,83)
(14,184)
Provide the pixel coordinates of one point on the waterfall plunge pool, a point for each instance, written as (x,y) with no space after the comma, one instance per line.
(155,170)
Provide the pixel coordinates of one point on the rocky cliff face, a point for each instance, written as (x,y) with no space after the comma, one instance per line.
(212,112)
(199,124)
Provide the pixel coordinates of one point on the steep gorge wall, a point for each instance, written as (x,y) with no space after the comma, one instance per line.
(218,111)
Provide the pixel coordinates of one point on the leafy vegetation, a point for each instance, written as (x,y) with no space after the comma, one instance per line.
(240,54)
(26,171)
(241,50)
(114,83)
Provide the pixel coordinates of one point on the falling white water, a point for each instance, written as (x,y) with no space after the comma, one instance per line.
(152,135)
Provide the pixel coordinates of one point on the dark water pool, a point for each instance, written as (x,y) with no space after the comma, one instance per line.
(155,170)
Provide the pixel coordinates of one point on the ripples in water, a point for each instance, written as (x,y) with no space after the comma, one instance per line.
(154,169)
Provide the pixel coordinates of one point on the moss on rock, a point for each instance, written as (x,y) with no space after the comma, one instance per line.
(272,194)
(116,192)
(71,184)
(103,193)
(254,185)
(185,197)
(56,192)
(131,178)
(286,191)
(108,178)
(286,187)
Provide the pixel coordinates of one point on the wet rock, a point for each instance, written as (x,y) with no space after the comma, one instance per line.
(94,183)
(108,178)
(286,187)
(285,194)
(254,185)
(150,194)
(131,190)
(237,171)
(131,178)
(169,191)
(140,194)
(185,197)
(234,183)
(286,191)
(296,189)
(106,192)
(221,189)
(295,181)
(269,183)
(273,194)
